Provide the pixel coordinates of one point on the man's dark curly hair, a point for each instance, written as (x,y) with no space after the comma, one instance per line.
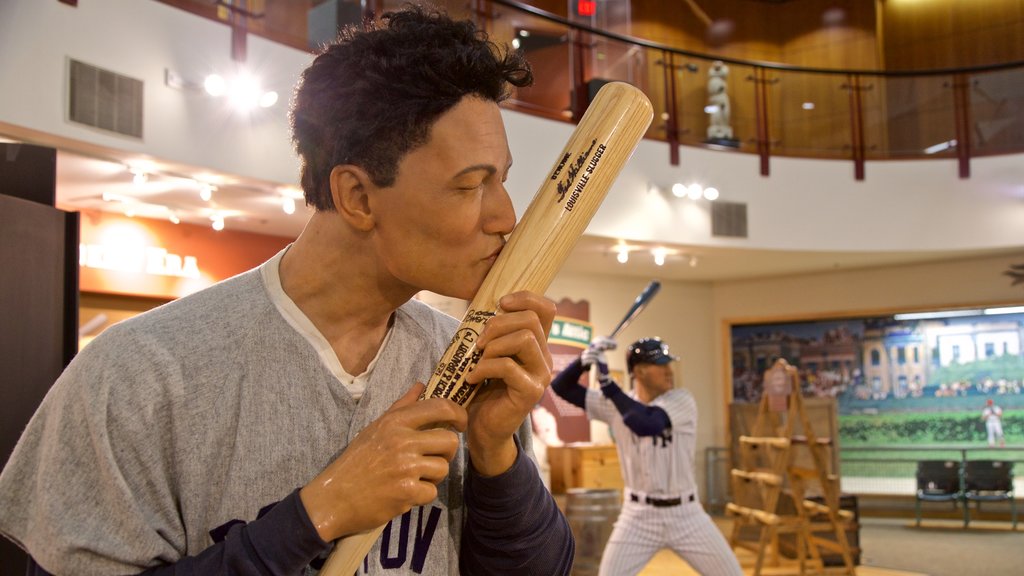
(372,95)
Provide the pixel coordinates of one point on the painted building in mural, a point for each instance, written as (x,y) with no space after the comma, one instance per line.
(880,358)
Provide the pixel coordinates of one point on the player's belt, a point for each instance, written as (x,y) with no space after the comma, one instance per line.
(659,502)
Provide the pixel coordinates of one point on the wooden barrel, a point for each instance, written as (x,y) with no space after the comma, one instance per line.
(591,514)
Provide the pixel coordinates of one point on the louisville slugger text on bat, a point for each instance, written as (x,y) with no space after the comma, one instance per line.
(560,211)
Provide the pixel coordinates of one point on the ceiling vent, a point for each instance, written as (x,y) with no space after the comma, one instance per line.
(105,100)
(729,219)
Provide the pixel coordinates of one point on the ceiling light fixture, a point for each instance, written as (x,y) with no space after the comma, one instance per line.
(937,314)
(206,191)
(288,204)
(940,147)
(1003,310)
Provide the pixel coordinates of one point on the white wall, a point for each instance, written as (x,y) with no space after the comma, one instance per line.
(142,39)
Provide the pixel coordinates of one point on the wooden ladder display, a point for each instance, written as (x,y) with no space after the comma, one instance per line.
(773,461)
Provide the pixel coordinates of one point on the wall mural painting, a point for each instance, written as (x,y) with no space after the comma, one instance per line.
(902,379)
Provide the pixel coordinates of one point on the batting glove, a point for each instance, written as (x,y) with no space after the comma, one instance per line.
(603,343)
(593,356)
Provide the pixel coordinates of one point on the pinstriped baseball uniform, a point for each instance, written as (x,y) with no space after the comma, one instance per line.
(659,469)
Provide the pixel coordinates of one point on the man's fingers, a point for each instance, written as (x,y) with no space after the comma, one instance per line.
(528,301)
(429,413)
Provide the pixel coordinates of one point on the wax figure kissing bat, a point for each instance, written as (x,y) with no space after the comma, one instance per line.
(599,147)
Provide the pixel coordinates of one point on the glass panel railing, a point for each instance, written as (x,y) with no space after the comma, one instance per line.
(915,116)
(810,114)
(997,111)
(771,109)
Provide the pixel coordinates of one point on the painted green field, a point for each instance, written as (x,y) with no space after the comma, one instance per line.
(925,428)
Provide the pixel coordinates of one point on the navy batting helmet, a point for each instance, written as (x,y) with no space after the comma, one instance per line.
(648,351)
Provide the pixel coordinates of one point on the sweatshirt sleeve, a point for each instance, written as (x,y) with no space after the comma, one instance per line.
(513,525)
(283,541)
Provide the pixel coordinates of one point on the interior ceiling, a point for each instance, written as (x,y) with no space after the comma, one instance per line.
(253,206)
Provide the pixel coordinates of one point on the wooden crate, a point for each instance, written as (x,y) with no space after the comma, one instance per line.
(584,466)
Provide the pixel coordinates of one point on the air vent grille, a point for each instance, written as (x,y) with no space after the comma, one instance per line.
(729,219)
(105,100)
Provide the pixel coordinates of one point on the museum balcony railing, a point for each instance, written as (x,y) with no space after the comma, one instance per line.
(776,109)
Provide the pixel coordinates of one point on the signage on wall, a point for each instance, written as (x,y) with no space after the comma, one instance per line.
(570,332)
(152,260)
(158,259)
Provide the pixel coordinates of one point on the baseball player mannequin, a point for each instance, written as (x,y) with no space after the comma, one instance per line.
(993,417)
(655,434)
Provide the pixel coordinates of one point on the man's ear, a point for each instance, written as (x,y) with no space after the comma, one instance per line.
(350,186)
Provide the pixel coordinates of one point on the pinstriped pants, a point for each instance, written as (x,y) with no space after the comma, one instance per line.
(641,530)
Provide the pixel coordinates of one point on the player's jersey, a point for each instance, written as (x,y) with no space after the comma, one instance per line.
(992,413)
(659,466)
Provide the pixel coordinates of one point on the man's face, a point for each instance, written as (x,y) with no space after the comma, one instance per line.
(656,378)
(441,225)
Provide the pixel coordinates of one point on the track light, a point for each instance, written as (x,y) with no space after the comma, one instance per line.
(288,205)
(206,191)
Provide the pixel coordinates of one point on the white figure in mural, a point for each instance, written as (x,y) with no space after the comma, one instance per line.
(993,418)
(718,107)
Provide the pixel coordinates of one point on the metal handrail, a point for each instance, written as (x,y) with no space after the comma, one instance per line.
(950,113)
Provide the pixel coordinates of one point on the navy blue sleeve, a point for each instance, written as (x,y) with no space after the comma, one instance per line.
(513,525)
(641,419)
(283,541)
(566,384)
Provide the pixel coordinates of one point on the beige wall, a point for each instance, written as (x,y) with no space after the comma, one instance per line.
(692,317)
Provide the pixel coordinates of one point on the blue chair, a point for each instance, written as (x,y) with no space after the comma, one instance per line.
(988,481)
(937,481)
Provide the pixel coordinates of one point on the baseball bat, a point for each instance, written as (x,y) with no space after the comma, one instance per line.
(560,211)
(638,306)
(641,302)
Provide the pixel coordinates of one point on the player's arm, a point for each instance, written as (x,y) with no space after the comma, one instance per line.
(641,419)
(566,384)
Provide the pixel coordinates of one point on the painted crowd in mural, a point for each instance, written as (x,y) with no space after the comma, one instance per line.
(899,381)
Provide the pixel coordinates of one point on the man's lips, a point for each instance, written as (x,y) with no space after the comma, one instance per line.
(494,255)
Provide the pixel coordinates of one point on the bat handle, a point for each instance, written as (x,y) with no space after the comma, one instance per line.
(593,375)
(349,552)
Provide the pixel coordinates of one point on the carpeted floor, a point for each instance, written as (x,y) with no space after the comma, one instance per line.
(891,547)
(943,548)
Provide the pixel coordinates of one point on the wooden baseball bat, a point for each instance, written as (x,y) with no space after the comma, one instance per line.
(571,193)
(637,307)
